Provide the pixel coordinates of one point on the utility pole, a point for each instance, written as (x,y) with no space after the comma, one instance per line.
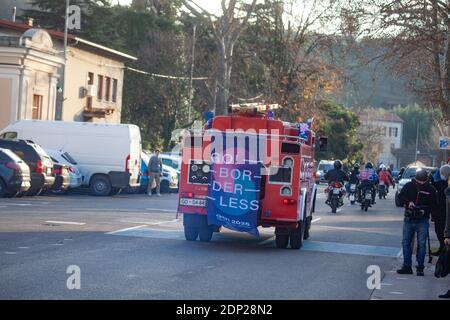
(417,141)
(192,73)
(63,89)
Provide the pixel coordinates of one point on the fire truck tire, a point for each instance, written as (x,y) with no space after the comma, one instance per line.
(297,235)
(205,234)
(307,228)
(281,241)
(190,233)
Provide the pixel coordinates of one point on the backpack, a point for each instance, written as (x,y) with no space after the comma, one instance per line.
(443,263)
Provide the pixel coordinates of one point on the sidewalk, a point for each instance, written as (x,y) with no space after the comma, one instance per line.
(411,287)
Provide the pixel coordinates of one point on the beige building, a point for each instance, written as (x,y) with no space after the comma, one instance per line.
(93,78)
(28,77)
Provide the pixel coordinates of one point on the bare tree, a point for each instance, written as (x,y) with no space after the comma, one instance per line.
(226,30)
(416,38)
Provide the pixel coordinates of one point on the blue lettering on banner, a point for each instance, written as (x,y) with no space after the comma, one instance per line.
(233,196)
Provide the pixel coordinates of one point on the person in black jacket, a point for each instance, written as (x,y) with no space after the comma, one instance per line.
(335,175)
(419,199)
(447,225)
(438,215)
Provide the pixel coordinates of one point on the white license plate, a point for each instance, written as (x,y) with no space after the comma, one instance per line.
(381,183)
(353,187)
(193,202)
(336,191)
(352,197)
(49,171)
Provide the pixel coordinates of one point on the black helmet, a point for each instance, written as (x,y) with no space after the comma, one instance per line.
(356,166)
(369,165)
(421,175)
(338,165)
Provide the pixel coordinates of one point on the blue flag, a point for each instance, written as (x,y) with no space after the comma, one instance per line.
(233,196)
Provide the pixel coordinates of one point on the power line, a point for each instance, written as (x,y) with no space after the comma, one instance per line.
(166,76)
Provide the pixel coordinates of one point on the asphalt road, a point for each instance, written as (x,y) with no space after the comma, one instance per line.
(132,247)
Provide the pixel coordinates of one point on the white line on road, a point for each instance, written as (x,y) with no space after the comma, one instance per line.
(127,229)
(24,247)
(67,222)
(315,220)
(162,210)
(396,292)
(163,222)
(10,252)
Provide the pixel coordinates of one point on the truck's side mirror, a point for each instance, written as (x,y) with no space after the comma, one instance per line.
(323,142)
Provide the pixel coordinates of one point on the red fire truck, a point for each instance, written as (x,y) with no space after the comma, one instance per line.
(286,190)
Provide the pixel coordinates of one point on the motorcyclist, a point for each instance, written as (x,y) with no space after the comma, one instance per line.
(336,175)
(353,177)
(386,177)
(368,178)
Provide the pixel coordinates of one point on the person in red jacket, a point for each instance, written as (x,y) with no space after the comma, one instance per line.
(386,177)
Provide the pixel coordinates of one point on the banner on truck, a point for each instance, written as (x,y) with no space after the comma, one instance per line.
(233,193)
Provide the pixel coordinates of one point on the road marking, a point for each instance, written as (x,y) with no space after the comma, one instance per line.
(24,247)
(10,252)
(66,222)
(315,220)
(126,229)
(386,284)
(3,206)
(164,222)
(396,292)
(162,210)
(357,249)
(142,232)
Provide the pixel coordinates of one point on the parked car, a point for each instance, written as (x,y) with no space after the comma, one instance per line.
(108,155)
(64,158)
(14,174)
(323,168)
(39,162)
(169,179)
(407,176)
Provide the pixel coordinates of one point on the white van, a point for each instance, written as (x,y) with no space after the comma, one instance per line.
(108,155)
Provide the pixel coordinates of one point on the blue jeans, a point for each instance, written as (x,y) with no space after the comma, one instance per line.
(419,226)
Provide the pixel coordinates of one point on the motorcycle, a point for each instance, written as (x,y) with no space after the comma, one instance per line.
(352,193)
(382,190)
(366,200)
(336,193)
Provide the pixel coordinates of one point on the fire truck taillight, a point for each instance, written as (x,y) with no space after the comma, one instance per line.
(289,201)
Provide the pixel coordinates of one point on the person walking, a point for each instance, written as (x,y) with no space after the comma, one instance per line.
(438,215)
(447,233)
(419,199)
(154,173)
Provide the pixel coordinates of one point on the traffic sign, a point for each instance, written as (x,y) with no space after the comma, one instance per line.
(444,143)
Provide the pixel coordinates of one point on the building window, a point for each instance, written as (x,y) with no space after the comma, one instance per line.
(114,90)
(90,81)
(107,88)
(393,132)
(99,87)
(37,107)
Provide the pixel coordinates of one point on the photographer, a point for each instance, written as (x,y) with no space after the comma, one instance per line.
(419,199)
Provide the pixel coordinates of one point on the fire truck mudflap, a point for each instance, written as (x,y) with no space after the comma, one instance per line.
(248,170)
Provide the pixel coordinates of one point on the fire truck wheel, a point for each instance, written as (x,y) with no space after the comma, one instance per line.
(282,240)
(297,235)
(190,233)
(205,234)
(307,228)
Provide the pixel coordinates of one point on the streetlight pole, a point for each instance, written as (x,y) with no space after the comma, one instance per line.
(63,89)
(192,73)
(417,141)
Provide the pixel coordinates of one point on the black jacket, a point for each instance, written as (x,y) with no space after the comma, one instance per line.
(336,176)
(421,195)
(353,177)
(440,187)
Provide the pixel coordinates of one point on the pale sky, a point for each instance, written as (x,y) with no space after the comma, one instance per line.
(212,6)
